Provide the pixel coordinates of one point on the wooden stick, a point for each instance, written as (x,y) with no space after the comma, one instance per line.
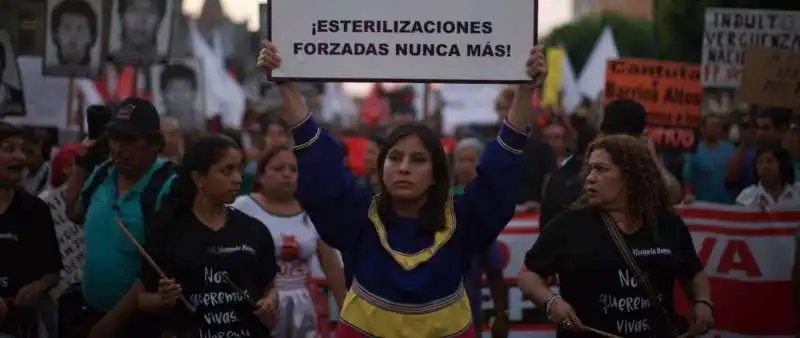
(135,81)
(600,333)
(150,260)
(70,98)
(239,290)
(426,97)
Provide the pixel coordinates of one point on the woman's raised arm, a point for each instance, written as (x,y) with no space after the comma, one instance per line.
(325,187)
(490,200)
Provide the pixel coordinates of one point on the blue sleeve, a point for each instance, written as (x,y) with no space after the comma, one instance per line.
(164,191)
(489,201)
(492,259)
(326,189)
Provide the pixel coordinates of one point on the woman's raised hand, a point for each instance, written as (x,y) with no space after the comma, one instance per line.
(268,58)
(536,67)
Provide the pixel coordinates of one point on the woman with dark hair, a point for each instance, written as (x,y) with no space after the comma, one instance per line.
(775,176)
(206,247)
(623,237)
(273,203)
(410,245)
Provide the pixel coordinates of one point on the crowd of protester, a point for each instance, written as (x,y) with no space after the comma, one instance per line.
(197,186)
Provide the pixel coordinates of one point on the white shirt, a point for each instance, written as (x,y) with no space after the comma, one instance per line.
(295,269)
(70,240)
(756,195)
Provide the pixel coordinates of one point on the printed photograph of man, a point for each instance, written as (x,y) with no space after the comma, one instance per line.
(178,91)
(140,30)
(12,101)
(74,45)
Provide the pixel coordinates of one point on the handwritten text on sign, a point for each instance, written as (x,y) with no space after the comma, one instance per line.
(728,31)
(771,77)
(670,92)
(450,40)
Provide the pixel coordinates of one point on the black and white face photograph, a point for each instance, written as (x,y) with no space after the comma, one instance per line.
(141,30)
(74,45)
(12,101)
(179,92)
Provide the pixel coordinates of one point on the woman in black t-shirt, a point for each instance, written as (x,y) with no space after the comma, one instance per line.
(202,245)
(624,211)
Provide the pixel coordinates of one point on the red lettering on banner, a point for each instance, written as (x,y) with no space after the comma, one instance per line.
(736,256)
(706,248)
(746,262)
(734,73)
(668,137)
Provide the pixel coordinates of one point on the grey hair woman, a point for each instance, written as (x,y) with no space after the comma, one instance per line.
(465,161)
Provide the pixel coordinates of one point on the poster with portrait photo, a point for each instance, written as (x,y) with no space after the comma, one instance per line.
(12,99)
(141,30)
(75,39)
(179,92)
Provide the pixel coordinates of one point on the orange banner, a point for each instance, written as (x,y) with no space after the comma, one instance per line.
(671,93)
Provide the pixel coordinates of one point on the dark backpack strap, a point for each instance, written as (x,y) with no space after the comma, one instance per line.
(149,198)
(101,173)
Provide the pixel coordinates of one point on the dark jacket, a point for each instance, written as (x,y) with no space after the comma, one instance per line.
(562,189)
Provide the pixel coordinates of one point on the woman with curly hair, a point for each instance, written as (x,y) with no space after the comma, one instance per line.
(623,236)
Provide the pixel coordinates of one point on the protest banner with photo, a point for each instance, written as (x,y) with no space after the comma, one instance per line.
(141,30)
(179,92)
(670,92)
(403,41)
(75,45)
(728,31)
(12,99)
(771,77)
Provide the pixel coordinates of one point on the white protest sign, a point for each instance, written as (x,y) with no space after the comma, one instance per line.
(728,31)
(403,40)
(70,241)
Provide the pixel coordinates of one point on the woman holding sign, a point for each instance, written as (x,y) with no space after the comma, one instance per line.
(410,245)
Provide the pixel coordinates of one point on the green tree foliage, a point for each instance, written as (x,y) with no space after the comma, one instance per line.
(680,23)
(634,38)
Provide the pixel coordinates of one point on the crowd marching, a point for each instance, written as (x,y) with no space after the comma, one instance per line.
(141,230)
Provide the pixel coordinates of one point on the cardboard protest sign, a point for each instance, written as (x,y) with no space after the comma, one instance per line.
(403,40)
(670,92)
(728,31)
(771,77)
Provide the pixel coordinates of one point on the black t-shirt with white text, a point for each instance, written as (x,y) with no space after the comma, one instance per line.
(28,251)
(596,281)
(198,257)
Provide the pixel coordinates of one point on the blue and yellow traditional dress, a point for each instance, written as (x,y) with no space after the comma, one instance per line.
(405,285)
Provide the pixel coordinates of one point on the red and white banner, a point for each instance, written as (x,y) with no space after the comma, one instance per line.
(748,254)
